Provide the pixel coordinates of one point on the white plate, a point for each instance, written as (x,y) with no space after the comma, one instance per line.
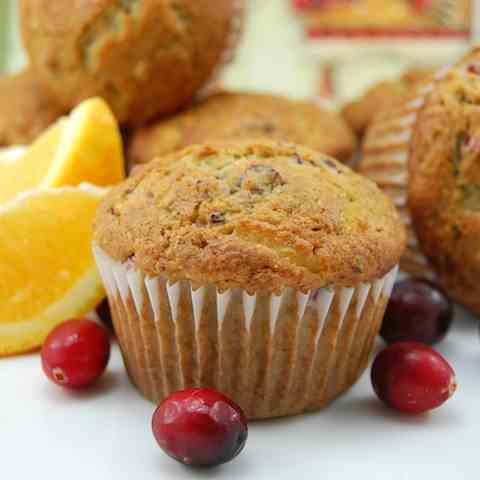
(47,433)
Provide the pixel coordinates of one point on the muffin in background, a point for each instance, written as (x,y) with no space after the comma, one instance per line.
(262,270)
(238,116)
(359,114)
(444,183)
(385,156)
(144,58)
(26,109)
(386,151)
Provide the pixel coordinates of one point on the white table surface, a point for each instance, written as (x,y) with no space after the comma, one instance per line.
(49,433)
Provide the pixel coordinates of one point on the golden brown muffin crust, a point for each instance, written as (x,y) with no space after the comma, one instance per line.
(259,216)
(144,57)
(26,109)
(241,116)
(444,190)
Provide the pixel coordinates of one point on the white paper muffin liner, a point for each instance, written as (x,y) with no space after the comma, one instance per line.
(386,152)
(274,355)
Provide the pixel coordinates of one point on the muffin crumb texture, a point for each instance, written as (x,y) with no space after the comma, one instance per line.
(145,58)
(27,109)
(238,116)
(261,216)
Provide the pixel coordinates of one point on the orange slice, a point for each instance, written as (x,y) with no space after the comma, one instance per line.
(47,272)
(86,146)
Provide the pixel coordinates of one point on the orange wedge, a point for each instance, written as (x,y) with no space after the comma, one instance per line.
(47,272)
(86,146)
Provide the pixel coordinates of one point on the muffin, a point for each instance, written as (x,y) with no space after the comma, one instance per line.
(260,269)
(144,58)
(444,187)
(26,109)
(235,116)
(360,113)
(386,151)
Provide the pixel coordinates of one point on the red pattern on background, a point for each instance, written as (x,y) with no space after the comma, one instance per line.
(317,32)
(311,4)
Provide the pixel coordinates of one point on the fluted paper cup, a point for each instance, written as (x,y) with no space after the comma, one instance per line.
(385,157)
(273,355)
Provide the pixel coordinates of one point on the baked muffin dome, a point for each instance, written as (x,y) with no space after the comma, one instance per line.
(260,216)
(144,58)
(27,110)
(444,188)
(245,116)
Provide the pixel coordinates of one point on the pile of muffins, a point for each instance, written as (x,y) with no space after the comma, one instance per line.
(240,255)
(157,64)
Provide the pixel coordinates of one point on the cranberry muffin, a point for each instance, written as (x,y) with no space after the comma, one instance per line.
(261,270)
(144,58)
(27,110)
(237,116)
(444,186)
(386,150)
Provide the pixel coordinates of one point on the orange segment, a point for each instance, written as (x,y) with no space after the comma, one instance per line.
(28,170)
(47,272)
(84,147)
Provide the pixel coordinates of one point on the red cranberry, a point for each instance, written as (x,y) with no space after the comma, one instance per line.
(475,69)
(306,4)
(422,5)
(418,311)
(200,427)
(76,353)
(300,4)
(103,311)
(412,377)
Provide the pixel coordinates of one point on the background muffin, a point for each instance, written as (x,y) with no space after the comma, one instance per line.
(144,58)
(444,187)
(261,270)
(386,151)
(26,109)
(360,113)
(236,116)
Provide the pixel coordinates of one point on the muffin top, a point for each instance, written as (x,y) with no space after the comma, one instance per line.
(26,109)
(145,58)
(260,216)
(444,190)
(246,116)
